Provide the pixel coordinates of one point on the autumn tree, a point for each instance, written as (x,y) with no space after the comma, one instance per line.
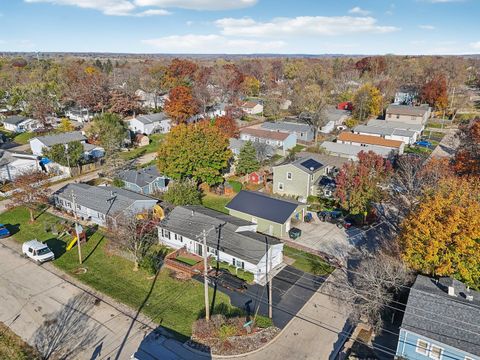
(181,105)
(183,192)
(440,238)
(66,125)
(197,151)
(70,154)
(251,86)
(29,191)
(182,71)
(134,233)
(124,103)
(367,102)
(227,126)
(229,80)
(247,159)
(434,92)
(358,183)
(467,157)
(109,131)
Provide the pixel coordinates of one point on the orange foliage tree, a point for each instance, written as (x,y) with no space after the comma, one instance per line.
(467,158)
(29,191)
(434,92)
(441,237)
(181,105)
(227,126)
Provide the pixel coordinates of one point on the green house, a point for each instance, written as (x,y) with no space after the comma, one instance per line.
(273,216)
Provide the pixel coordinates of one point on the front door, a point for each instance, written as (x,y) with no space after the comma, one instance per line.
(199,249)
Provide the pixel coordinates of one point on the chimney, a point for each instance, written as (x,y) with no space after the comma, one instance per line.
(451,291)
(468,296)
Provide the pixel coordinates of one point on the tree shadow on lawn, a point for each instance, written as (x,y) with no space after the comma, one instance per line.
(57,246)
(94,248)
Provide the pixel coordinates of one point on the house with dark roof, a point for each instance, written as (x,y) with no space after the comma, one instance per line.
(273,216)
(301,177)
(19,124)
(150,123)
(101,205)
(39,143)
(408,114)
(280,141)
(441,321)
(229,239)
(146,180)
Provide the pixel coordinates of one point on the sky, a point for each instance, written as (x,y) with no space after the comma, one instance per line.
(413,27)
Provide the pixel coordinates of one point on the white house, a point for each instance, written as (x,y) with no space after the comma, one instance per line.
(37,144)
(235,241)
(281,141)
(19,124)
(151,100)
(15,164)
(408,137)
(151,123)
(367,140)
(80,114)
(351,152)
(251,107)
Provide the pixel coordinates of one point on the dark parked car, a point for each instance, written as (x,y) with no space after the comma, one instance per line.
(294,233)
(308,218)
(4,231)
(223,278)
(334,217)
(424,143)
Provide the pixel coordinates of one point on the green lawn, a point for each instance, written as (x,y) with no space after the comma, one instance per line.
(241,274)
(307,262)
(417,150)
(236,185)
(12,347)
(186,260)
(155,140)
(216,202)
(24,138)
(172,303)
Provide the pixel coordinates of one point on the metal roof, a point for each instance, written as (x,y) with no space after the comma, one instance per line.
(62,138)
(263,206)
(191,221)
(429,306)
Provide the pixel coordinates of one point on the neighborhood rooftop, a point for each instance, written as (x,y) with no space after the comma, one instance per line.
(62,138)
(353,150)
(287,126)
(152,118)
(367,139)
(308,164)
(265,134)
(395,125)
(141,177)
(407,110)
(378,130)
(429,304)
(107,200)
(263,206)
(190,221)
(15,119)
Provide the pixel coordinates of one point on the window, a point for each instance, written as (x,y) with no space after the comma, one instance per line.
(179,237)
(233,262)
(422,347)
(166,234)
(436,352)
(79,207)
(289,176)
(280,186)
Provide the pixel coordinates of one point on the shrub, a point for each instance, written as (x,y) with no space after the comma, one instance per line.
(351,122)
(150,263)
(226,331)
(118,183)
(263,322)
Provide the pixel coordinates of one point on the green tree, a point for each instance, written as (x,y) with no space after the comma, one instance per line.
(367,102)
(247,159)
(109,131)
(197,151)
(183,192)
(70,154)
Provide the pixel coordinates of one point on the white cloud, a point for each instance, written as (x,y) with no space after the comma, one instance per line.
(211,44)
(198,4)
(302,25)
(359,11)
(475,45)
(427,27)
(153,12)
(108,7)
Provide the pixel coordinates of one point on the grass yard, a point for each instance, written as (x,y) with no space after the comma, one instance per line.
(307,262)
(186,260)
(236,185)
(170,302)
(12,347)
(24,138)
(155,140)
(216,202)
(241,274)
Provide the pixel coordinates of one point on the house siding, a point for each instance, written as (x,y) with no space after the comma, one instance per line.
(406,348)
(158,185)
(301,183)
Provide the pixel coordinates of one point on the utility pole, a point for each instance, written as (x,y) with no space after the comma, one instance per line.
(205,275)
(68,159)
(76,228)
(269,280)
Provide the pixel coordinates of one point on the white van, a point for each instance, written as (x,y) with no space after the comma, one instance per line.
(37,251)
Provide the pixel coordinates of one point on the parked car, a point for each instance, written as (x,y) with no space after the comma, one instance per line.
(223,278)
(37,251)
(424,143)
(334,217)
(4,232)
(294,233)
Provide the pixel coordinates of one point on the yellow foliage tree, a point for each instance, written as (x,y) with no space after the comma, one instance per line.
(252,86)
(442,237)
(66,125)
(367,102)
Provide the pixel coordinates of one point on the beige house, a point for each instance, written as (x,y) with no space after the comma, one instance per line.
(408,114)
(365,141)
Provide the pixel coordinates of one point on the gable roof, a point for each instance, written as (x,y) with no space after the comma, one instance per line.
(263,206)
(265,134)
(353,150)
(107,200)
(249,104)
(327,160)
(395,125)
(190,221)
(62,138)
(142,177)
(429,305)
(152,118)
(384,131)
(367,139)
(15,119)
(407,110)
(307,164)
(286,126)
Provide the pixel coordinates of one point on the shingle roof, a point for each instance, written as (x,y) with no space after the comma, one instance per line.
(328,160)
(307,164)
(263,206)
(62,138)
(429,306)
(152,118)
(407,110)
(249,104)
(395,125)
(286,126)
(190,221)
(383,130)
(367,139)
(15,119)
(265,134)
(106,200)
(142,177)
(353,150)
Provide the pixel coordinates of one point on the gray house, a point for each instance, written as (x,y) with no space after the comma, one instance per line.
(146,181)
(101,204)
(304,132)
